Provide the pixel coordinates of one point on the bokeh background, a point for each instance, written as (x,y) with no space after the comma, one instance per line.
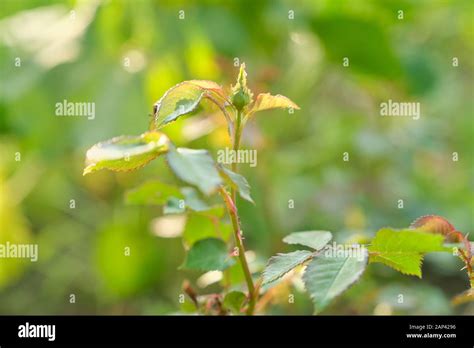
(123,55)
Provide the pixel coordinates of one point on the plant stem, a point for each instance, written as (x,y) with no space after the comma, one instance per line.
(231,203)
(232,210)
(236,146)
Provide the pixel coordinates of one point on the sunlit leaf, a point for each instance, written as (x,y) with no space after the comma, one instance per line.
(313,239)
(329,274)
(266,101)
(208,255)
(234,300)
(195,167)
(436,224)
(126,153)
(281,264)
(183,99)
(237,182)
(208,85)
(403,249)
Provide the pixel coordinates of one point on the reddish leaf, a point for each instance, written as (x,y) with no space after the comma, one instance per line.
(439,225)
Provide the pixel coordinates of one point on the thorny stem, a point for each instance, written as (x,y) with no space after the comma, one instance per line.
(466,256)
(232,210)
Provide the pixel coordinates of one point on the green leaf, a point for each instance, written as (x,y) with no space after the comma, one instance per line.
(192,199)
(152,193)
(188,306)
(234,301)
(266,101)
(200,227)
(183,99)
(329,274)
(313,239)
(403,249)
(233,275)
(208,255)
(191,202)
(237,182)
(281,264)
(215,211)
(126,153)
(195,167)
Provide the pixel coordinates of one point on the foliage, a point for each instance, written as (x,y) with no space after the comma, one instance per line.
(329,272)
(123,56)
(403,250)
(208,255)
(194,167)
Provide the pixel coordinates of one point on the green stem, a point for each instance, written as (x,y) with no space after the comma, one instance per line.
(231,203)
(236,140)
(232,210)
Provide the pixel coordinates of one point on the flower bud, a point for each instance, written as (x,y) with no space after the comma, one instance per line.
(241,96)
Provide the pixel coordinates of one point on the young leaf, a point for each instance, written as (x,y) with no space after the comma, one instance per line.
(403,249)
(126,152)
(436,224)
(236,181)
(266,101)
(152,193)
(208,255)
(281,264)
(183,99)
(329,274)
(195,167)
(313,239)
(234,300)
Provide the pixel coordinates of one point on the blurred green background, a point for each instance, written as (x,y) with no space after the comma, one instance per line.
(123,55)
